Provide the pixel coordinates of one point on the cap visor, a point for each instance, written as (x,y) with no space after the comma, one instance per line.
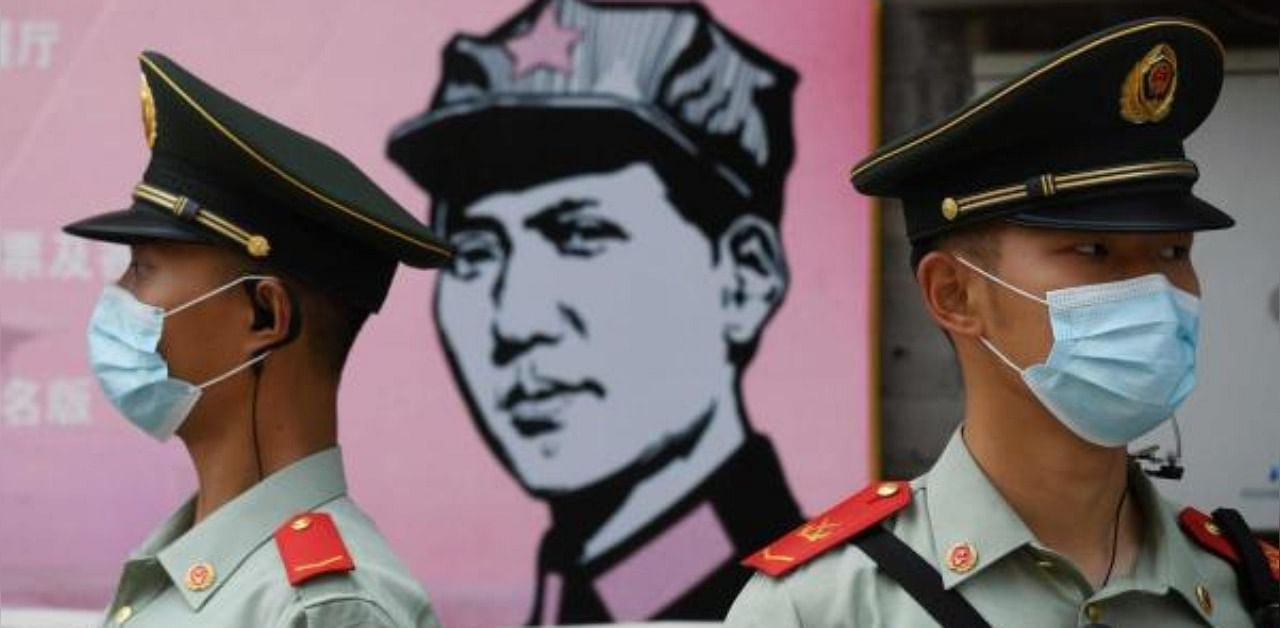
(457,147)
(137,223)
(1166,212)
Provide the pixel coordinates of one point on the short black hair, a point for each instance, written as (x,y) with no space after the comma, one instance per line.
(979,242)
(329,322)
(333,326)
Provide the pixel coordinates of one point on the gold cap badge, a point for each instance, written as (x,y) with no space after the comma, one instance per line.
(1147,94)
(148,113)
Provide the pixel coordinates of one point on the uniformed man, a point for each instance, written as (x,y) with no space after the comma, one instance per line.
(611,176)
(257,254)
(1051,222)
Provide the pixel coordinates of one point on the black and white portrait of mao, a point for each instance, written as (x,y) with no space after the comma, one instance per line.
(612,177)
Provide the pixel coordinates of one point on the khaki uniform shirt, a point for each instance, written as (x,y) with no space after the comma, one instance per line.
(1011,578)
(244,579)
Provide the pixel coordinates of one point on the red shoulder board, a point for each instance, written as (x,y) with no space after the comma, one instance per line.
(310,546)
(851,516)
(1201,528)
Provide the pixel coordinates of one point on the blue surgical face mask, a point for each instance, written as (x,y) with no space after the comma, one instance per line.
(1123,356)
(124,340)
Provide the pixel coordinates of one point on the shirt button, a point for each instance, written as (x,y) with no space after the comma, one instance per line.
(1205,600)
(1093,612)
(123,614)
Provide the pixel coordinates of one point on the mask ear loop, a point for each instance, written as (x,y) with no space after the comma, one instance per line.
(1003,358)
(255,362)
(1000,282)
(213,293)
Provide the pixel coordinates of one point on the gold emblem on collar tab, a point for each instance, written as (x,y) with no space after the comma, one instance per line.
(148,112)
(200,576)
(1147,93)
(962,557)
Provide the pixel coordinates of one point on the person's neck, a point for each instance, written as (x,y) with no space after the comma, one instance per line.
(290,426)
(1066,490)
(610,514)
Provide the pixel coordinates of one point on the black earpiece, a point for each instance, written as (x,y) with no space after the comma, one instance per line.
(264,316)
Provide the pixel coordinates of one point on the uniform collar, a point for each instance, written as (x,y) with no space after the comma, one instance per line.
(964,508)
(1167,558)
(226,538)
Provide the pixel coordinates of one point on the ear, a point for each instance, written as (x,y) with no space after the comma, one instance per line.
(951,294)
(276,315)
(754,276)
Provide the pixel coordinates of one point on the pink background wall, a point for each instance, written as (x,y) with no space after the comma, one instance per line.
(79,487)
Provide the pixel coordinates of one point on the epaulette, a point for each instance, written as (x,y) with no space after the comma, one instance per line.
(310,546)
(1201,528)
(853,515)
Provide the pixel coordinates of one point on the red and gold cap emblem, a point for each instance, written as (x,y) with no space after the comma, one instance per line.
(148,113)
(1147,94)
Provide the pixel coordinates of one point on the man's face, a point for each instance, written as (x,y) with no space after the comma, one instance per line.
(584,319)
(1041,260)
(203,341)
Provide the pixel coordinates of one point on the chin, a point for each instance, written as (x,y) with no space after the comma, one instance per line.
(558,475)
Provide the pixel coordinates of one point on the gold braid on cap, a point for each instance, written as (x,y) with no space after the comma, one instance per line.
(187,209)
(1047,185)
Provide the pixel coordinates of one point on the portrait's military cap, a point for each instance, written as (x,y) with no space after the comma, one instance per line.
(569,85)
(1089,139)
(221,173)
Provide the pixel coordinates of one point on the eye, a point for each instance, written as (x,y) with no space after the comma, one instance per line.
(584,236)
(1175,253)
(474,251)
(137,269)
(1091,249)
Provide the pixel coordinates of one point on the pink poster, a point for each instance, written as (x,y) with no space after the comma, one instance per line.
(576,420)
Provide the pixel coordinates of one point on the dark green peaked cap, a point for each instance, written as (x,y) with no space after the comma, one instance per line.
(222,173)
(1091,139)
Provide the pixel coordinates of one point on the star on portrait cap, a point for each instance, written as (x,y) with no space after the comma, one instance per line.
(565,85)
(546,44)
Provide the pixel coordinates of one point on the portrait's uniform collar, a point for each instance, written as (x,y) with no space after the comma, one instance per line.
(728,514)
(227,536)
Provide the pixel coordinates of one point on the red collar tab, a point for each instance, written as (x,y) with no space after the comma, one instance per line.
(310,546)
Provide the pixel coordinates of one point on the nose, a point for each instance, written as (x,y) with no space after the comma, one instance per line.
(1139,265)
(529,311)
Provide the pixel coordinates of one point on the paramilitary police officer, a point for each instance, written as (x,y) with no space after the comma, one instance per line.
(1051,222)
(257,254)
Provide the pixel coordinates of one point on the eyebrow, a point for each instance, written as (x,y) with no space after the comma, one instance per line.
(549,214)
(475,223)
